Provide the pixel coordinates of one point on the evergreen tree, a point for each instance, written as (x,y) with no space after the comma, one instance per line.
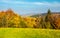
(48,19)
(48,16)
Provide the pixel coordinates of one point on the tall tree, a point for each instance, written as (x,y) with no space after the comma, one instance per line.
(48,19)
(48,16)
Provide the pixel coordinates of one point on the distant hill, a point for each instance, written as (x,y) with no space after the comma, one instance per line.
(43,14)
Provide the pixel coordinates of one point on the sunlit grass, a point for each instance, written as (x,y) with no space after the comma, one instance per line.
(28,33)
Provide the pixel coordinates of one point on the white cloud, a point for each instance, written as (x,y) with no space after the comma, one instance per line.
(54,4)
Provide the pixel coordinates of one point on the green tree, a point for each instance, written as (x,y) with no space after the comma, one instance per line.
(48,16)
(48,20)
(22,24)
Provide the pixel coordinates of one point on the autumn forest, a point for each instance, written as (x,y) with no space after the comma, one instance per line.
(9,19)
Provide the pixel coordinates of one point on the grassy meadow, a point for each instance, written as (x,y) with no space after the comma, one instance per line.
(28,33)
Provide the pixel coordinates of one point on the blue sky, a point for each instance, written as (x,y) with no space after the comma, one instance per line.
(24,7)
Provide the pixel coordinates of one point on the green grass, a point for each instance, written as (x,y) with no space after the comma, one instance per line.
(28,33)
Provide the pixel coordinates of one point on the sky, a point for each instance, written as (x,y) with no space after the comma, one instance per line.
(26,7)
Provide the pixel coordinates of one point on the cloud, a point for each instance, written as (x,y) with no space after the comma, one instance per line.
(54,4)
(19,2)
(51,4)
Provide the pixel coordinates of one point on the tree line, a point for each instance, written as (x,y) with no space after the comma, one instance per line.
(9,19)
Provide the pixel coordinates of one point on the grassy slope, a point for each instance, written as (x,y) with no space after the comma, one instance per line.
(28,33)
